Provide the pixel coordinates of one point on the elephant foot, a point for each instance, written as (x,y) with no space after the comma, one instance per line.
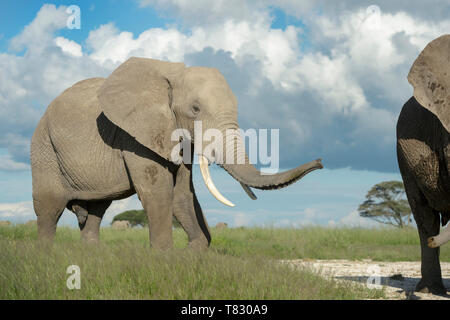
(432,242)
(198,243)
(436,287)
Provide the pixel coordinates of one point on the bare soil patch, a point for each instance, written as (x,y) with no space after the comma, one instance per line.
(397,278)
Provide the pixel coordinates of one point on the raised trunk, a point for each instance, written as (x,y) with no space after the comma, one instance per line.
(235,161)
(252,177)
(242,170)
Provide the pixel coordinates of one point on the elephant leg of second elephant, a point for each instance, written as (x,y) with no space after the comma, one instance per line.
(187,209)
(90,231)
(431,270)
(427,221)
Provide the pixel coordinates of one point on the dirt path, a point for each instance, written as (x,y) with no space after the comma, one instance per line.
(398,278)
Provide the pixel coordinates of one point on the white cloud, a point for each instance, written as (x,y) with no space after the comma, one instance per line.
(336,94)
(8,164)
(241,219)
(28,82)
(276,49)
(354,220)
(69,46)
(109,44)
(17,211)
(39,32)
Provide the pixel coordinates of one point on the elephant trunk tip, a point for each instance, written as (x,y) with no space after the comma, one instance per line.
(319,163)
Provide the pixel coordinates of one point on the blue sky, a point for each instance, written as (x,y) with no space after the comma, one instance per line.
(331,77)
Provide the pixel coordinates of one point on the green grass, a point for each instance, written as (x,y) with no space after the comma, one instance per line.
(241,263)
(384,244)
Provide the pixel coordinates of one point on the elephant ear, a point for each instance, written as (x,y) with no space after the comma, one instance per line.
(137,97)
(430,77)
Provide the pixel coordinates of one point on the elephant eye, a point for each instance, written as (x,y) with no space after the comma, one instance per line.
(195,109)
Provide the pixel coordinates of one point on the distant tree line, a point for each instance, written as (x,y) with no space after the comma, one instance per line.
(139,218)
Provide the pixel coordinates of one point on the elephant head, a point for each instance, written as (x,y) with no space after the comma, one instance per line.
(150,99)
(430,77)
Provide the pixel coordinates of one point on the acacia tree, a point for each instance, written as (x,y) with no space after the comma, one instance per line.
(386,203)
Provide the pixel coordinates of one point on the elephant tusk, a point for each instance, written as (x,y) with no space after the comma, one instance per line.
(248,191)
(209,183)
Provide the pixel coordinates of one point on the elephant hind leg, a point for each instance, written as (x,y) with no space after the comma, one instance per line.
(48,208)
(90,229)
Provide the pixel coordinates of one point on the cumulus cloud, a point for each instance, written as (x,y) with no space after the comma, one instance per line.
(30,80)
(69,46)
(8,164)
(39,32)
(17,211)
(334,87)
(354,220)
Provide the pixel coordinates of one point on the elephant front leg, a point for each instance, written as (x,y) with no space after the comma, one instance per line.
(427,221)
(187,209)
(431,270)
(153,181)
(158,206)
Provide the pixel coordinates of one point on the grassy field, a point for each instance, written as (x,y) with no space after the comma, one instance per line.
(241,263)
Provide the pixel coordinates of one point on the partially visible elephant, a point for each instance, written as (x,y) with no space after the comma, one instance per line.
(121,224)
(31,223)
(107,139)
(221,225)
(423,152)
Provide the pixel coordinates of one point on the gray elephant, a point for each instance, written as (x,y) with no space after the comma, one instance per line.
(423,152)
(107,139)
(121,224)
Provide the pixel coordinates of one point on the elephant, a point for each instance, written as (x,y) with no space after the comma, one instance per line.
(423,154)
(121,224)
(5,223)
(105,139)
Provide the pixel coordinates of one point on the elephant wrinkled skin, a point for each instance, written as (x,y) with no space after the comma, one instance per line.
(423,152)
(107,139)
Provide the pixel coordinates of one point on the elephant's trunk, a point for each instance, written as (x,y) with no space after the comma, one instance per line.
(248,175)
(243,171)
